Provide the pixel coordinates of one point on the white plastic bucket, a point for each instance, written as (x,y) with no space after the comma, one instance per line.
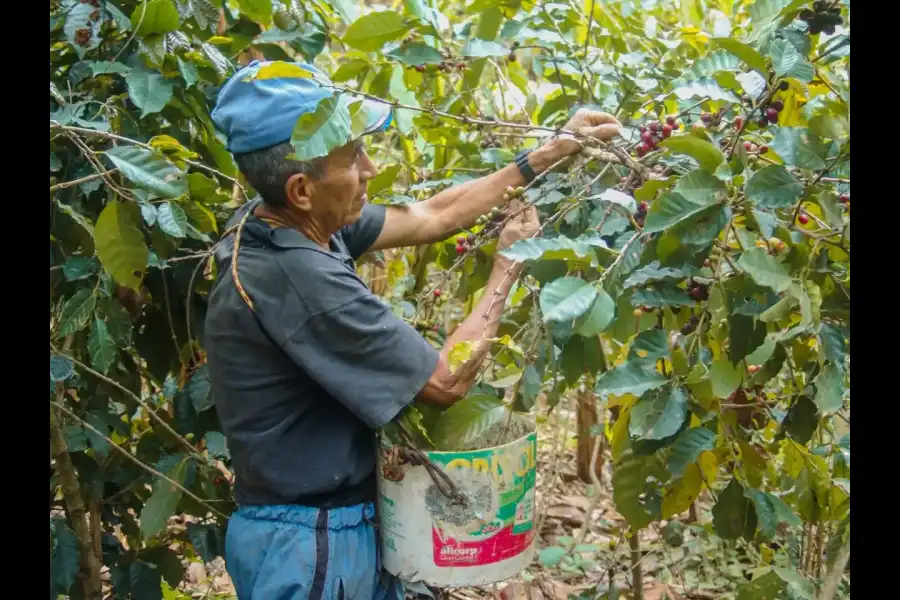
(426,539)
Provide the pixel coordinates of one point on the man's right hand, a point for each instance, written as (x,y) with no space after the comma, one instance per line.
(523,225)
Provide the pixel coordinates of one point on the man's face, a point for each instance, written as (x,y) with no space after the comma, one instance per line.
(340,193)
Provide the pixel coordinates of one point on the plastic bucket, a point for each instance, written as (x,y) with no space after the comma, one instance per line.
(425,538)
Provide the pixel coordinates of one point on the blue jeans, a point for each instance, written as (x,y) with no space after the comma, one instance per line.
(295,552)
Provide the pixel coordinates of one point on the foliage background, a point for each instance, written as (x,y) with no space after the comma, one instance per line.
(738,392)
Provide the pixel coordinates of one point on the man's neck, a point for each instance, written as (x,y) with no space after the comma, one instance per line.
(307,227)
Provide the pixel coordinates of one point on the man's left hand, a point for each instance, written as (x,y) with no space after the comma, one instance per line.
(594,124)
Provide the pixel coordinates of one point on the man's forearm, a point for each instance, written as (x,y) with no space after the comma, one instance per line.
(478,327)
(457,207)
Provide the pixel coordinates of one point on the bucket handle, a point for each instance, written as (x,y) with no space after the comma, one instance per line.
(416,457)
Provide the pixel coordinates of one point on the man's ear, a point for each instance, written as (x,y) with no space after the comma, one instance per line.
(299,189)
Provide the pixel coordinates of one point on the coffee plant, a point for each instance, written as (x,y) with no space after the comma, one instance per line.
(692,278)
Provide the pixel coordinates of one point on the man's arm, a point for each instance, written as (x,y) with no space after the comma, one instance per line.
(443,387)
(457,207)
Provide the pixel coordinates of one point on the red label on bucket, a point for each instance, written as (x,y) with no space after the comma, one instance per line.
(449,552)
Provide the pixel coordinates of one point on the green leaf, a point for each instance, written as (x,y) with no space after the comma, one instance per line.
(765,587)
(467,421)
(159,16)
(629,481)
(665,295)
(372,31)
(76,312)
(697,191)
(629,378)
(688,447)
(558,248)
(120,244)
(101,346)
(416,53)
(478,48)
(654,272)
(145,580)
(148,170)
(79,19)
(150,91)
(702,88)
(172,220)
(773,187)
(551,556)
(745,335)
(788,62)
(105,67)
(189,72)
(829,390)
(725,377)
(764,269)
(60,368)
(746,53)
(794,146)
(705,153)
(163,501)
(259,11)
(65,557)
(833,344)
(733,513)
(652,343)
(80,267)
(384,180)
(317,133)
(566,298)
(598,318)
(199,389)
(217,445)
(658,414)
(203,539)
(801,420)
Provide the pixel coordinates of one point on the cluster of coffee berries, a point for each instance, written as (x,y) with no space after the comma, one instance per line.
(774,245)
(641,213)
(490,141)
(770,113)
(691,326)
(712,119)
(754,149)
(822,18)
(845,199)
(426,325)
(698,291)
(653,132)
(83,37)
(464,242)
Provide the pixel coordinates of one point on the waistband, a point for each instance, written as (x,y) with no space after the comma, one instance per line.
(294,514)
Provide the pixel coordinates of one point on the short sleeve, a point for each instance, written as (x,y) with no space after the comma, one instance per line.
(360,236)
(365,357)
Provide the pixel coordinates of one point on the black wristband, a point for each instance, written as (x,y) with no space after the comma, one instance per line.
(525,168)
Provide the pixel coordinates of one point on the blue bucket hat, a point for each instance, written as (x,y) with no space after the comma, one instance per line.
(258,107)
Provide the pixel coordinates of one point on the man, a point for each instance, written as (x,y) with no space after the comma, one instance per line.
(305,362)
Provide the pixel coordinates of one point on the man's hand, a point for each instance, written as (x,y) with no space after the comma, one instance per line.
(519,227)
(591,123)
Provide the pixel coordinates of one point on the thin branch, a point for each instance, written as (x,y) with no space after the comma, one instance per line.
(138,461)
(134,397)
(67,184)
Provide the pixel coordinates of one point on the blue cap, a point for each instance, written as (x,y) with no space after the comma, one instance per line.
(258,110)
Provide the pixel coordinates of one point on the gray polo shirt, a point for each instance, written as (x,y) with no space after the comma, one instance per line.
(300,387)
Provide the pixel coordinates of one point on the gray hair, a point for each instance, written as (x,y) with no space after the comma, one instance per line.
(268,170)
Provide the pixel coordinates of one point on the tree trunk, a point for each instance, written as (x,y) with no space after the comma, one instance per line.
(637,571)
(586,416)
(68,481)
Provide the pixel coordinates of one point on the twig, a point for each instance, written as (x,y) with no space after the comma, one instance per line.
(138,461)
(66,184)
(134,397)
(637,571)
(71,489)
(833,577)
